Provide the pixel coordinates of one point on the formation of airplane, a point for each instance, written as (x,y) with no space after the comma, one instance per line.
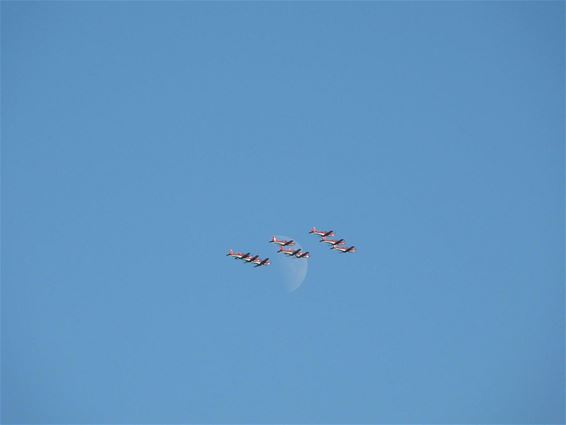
(325,235)
(336,244)
(248,258)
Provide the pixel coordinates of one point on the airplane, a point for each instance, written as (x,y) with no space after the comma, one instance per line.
(238,255)
(282,242)
(302,255)
(343,249)
(321,232)
(251,259)
(289,252)
(332,241)
(259,262)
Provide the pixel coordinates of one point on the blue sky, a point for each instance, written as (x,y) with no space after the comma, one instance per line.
(141,141)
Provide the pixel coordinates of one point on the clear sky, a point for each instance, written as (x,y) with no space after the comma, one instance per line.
(141,141)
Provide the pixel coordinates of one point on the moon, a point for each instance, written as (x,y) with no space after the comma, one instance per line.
(292,270)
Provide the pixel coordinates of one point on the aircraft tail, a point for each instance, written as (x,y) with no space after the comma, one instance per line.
(273,239)
(230,252)
(313,229)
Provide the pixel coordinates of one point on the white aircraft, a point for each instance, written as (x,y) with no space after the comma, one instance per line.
(289,252)
(251,259)
(343,249)
(282,242)
(332,241)
(294,253)
(322,233)
(238,255)
(259,262)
